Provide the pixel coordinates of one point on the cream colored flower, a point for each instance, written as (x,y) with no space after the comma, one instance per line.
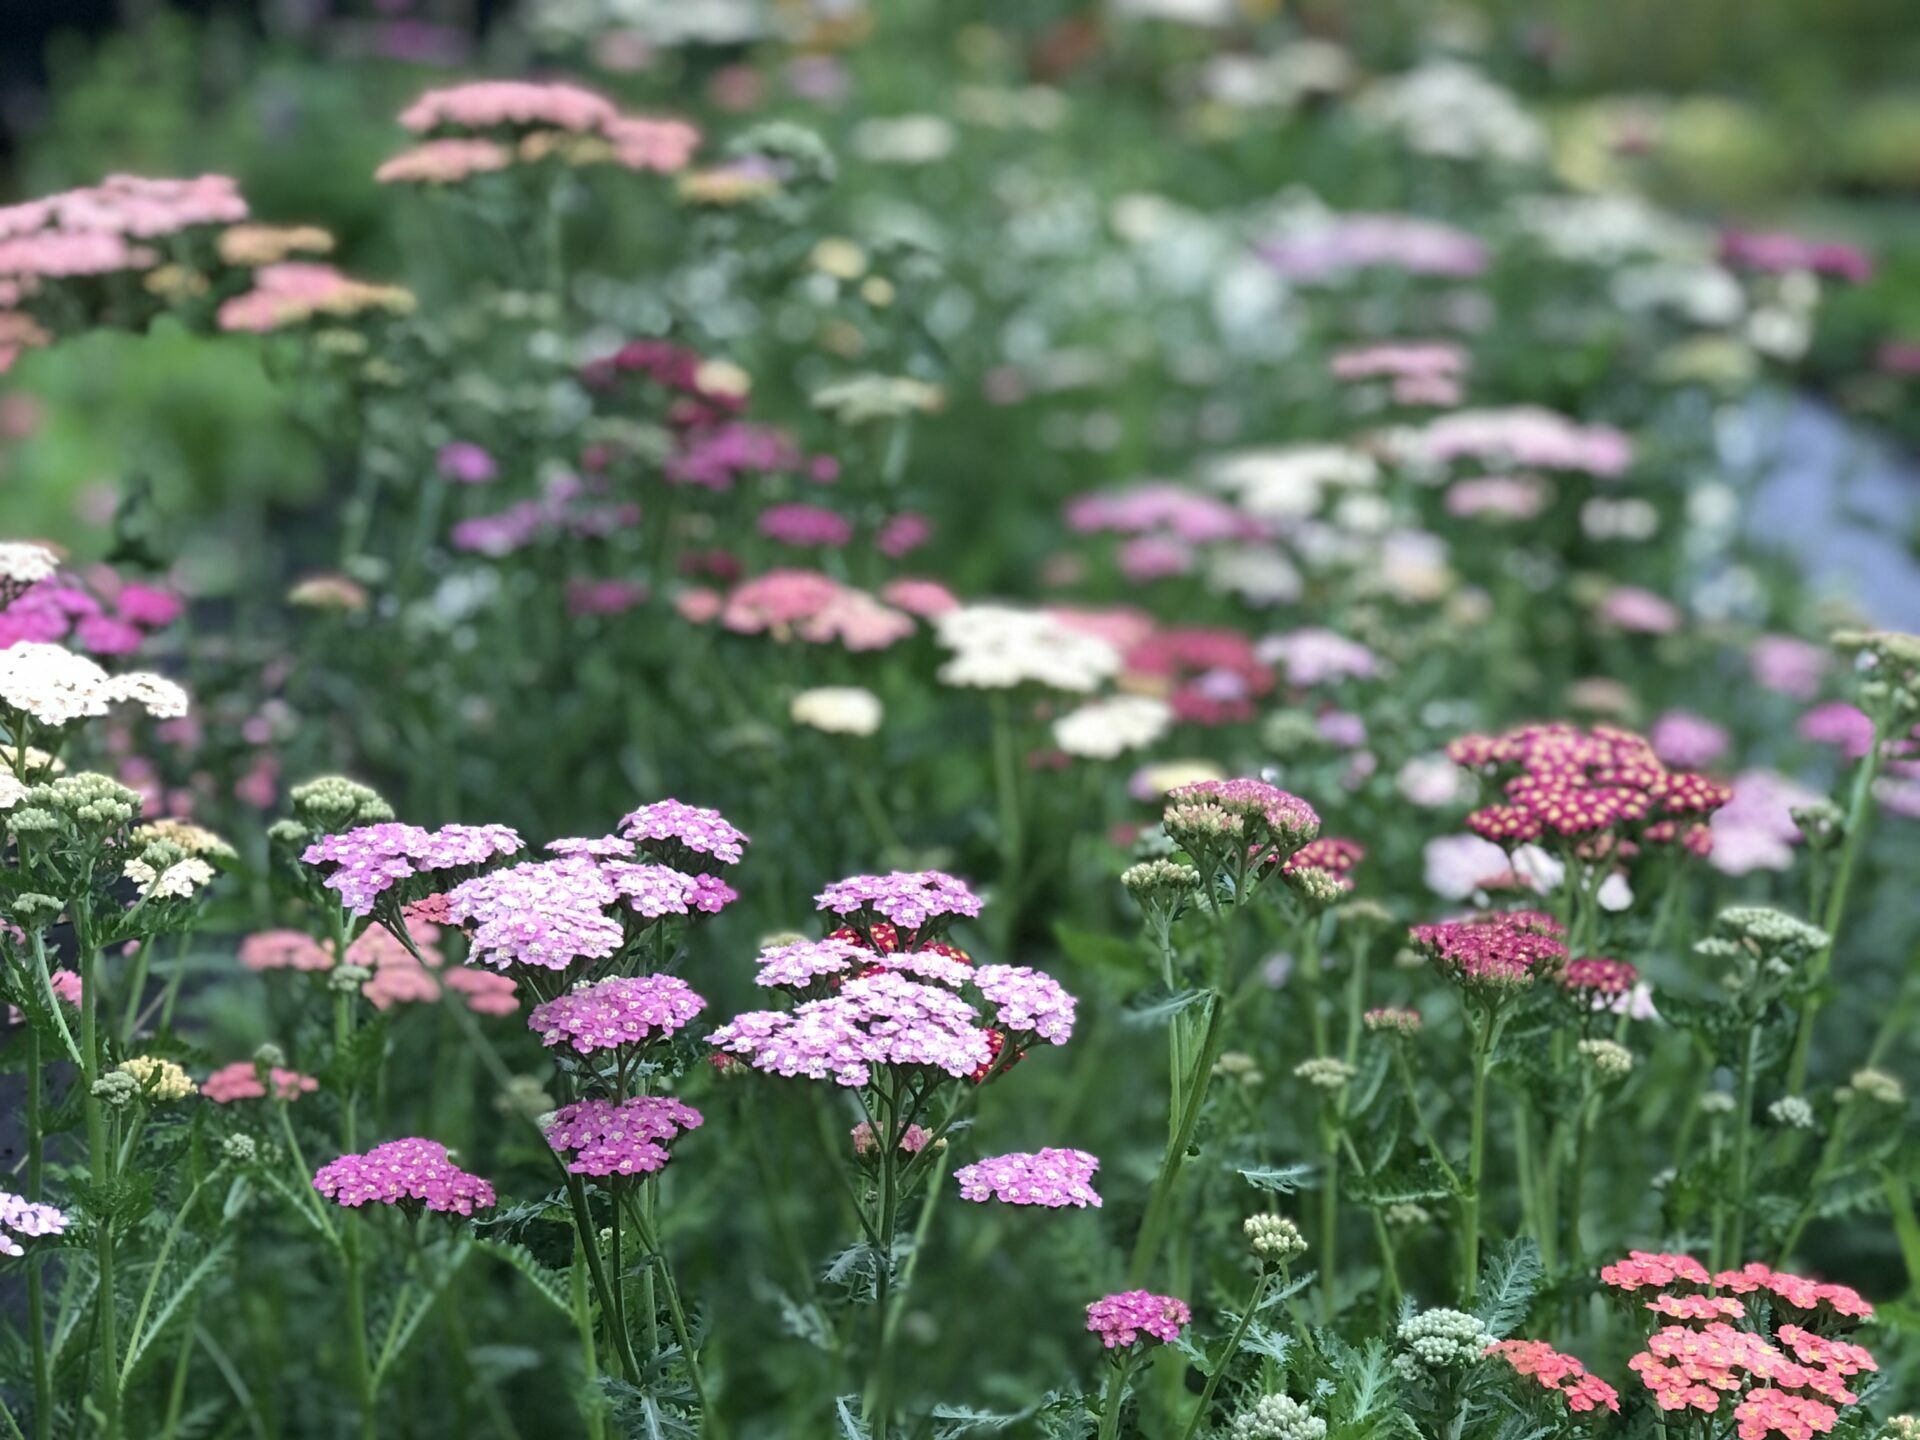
(838,710)
(55,686)
(996,647)
(194,839)
(160,1080)
(177,882)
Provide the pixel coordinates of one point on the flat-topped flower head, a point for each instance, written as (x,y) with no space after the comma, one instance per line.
(412,1173)
(1330,855)
(21,1218)
(1562,1374)
(1052,1178)
(920,903)
(22,566)
(627,1137)
(243,1080)
(363,865)
(1124,1318)
(1000,647)
(623,1010)
(1438,1340)
(544,913)
(516,104)
(1655,1270)
(1273,819)
(802,964)
(54,687)
(284,950)
(1391,1020)
(873,1020)
(688,837)
(1028,1004)
(1596,976)
(1494,952)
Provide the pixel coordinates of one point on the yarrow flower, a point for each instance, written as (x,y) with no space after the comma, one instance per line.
(998,647)
(1562,1374)
(1393,1021)
(1439,1339)
(1277,1417)
(1053,1178)
(1599,976)
(1263,817)
(915,901)
(362,865)
(1323,1072)
(627,1137)
(241,1081)
(53,686)
(26,1219)
(1121,1319)
(838,710)
(883,1019)
(1274,1238)
(1106,729)
(623,1010)
(412,1173)
(1027,1001)
(1495,952)
(678,833)
(159,1080)
(913,1140)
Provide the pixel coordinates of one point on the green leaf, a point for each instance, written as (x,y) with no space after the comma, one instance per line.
(181,1292)
(549,1284)
(1157,1005)
(1507,1282)
(958,1421)
(846,1410)
(1280,1179)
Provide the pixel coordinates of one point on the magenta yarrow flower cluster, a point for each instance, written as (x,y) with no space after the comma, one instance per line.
(29,1219)
(412,1173)
(1053,1178)
(362,865)
(919,903)
(623,1010)
(1496,952)
(624,1137)
(1120,1320)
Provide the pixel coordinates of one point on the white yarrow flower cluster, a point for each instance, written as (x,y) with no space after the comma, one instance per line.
(23,565)
(838,710)
(178,881)
(1105,729)
(54,686)
(996,647)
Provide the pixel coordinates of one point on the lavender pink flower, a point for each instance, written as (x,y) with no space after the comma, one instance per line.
(411,1172)
(912,900)
(241,1081)
(627,1137)
(546,913)
(1027,1001)
(883,1019)
(28,1219)
(1052,1177)
(625,1010)
(675,831)
(364,864)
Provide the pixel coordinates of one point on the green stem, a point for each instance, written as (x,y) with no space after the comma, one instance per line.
(1389,1262)
(885,1133)
(589,1235)
(1329,1221)
(1115,1397)
(1743,1148)
(100,1171)
(677,1317)
(1226,1357)
(1485,1031)
(592,1410)
(357,1356)
(1146,1248)
(1859,813)
(1006,786)
(36,1281)
(159,1270)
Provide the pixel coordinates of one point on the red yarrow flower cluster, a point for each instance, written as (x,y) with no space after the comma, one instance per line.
(1500,951)
(1603,784)
(1562,1374)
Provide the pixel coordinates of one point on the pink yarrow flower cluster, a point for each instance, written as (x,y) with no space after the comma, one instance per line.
(1341,245)
(624,1010)
(626,1137)
(803,605)
(1528,437)
(412,1173)
(241,1081)
(916,901)
(1121,1319)
(21,1218)
(527,108)
(363,864)
(676,832)
(883,1019)
(1053,1178)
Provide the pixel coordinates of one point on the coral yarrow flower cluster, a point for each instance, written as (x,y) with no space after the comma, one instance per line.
(1562,1374)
